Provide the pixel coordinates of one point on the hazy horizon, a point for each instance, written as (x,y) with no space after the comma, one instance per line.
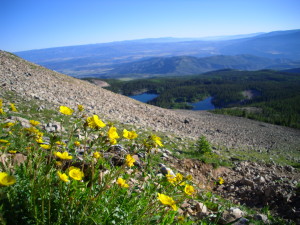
(33,24)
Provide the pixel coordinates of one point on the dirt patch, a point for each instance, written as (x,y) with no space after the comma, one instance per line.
(100,83)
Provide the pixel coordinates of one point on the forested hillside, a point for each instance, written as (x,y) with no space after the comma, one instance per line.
(275,95)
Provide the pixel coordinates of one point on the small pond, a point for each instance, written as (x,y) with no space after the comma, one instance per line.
(205,104)
(145,97)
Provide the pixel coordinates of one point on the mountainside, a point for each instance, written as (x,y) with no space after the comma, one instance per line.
(278,44)
(188,65)
(31,81)
(97,59)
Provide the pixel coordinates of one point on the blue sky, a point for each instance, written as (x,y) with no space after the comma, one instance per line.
(36,24)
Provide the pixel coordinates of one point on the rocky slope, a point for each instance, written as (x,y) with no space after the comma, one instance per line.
(248,183)
(32,81)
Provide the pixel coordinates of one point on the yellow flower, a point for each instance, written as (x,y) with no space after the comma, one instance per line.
(6,180)
(13,107)
(66,110)
(221,180)
(39,140)
(58,163)
(130,160)
(64,155)
(180,219)
(189,189)
(60,143)
(189,177)
(63,176)
(45,146)
(1,103)
(166,200)
(34,122)
(3,141)
(12,151)
(112,133)
(32,130)
(182,184)
(171,178)
(96,155)
(75,173)
(2,111)
(77,143)
(113,141)
(174,179)
(157,140)
(9,124)
(80,108)
(179,177)
(129,134)
(94,122)
(122,183)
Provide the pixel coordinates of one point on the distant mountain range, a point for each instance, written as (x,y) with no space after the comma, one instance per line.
(278,49)
(187,65)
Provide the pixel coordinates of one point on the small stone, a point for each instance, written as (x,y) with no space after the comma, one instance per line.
(191,212)
(261,217)
(260,180)
(201,207)
(185,205)
(289,168)
(247,182)
(165,170)
(237,212)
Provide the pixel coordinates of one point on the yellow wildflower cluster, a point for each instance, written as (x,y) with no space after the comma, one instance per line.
(174,179)
(177,179)
(74,172)
(12,107)
(38,135)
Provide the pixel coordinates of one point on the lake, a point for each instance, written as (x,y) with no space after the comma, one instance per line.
(145,97)
(205,104)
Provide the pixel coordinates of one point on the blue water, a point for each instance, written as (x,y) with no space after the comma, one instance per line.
(201,105)
(205,104)
(145,97)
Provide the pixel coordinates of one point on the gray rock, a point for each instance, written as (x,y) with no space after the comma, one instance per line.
(261,217)
(200,207)
(165,170)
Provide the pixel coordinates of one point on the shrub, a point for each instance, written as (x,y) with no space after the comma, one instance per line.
(203,146)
